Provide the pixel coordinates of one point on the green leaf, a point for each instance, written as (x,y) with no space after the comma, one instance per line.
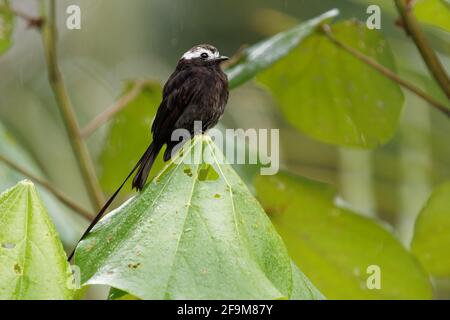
(330,95)
(33,264)
(334,246)
(431,242)
(129,136)
(434,12)
(6,25)
(264,54)
(70,226)
(302,288)
(189,235)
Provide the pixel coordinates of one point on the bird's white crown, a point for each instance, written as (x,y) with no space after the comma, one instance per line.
(205,52)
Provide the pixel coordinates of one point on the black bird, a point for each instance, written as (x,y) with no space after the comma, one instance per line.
(196,91)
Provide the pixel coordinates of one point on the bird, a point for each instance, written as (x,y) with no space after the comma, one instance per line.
(196,91)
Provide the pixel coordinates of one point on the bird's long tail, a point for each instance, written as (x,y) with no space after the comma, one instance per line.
(144,164)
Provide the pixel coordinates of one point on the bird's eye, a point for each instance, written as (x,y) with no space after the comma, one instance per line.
(204,55)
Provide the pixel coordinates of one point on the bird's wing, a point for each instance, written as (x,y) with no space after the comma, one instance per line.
(180,90)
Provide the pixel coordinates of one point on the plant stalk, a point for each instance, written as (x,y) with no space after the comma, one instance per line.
(411,25)
(67,111)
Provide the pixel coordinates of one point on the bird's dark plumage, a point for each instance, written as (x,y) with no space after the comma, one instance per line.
(196,91)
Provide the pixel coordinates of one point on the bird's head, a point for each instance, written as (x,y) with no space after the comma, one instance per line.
(203,54)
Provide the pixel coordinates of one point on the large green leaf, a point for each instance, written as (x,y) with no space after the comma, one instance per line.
(33,264)
(332,96)
(434,12)
(334,246)
(194,232)
(129,136)
(431,242)
(70,226)
(6,25)
(264,54)
(302,288)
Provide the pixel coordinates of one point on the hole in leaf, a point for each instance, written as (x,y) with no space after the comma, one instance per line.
(207,173)
(17,268)
(187,170)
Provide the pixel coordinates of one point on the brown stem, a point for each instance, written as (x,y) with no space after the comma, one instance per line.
(33,22)
(59,195)
(113,109)
(430,58)
(386,72)
(67,111)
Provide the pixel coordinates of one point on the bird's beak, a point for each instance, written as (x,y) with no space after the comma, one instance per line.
(222,58)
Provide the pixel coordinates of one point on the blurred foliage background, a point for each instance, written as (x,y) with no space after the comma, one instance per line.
(143,39)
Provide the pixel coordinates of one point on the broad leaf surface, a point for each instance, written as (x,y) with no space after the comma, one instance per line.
(33,264)
(195,232)
(302,288)
(330,95)
(431,242)
(434,12)
(334,246)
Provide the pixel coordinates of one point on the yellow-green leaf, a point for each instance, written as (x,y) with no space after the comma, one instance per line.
(6,25)
(330,95)
(431,242)
(189,236)
(302,288)
(434,12)
(336,247)
(33,264)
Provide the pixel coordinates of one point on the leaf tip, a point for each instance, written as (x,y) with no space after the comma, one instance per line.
(26,183)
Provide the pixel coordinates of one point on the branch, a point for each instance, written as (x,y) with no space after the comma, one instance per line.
(67,111)
(32,22)
(59,195)
(404,7)
(113,109)
(386,72)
